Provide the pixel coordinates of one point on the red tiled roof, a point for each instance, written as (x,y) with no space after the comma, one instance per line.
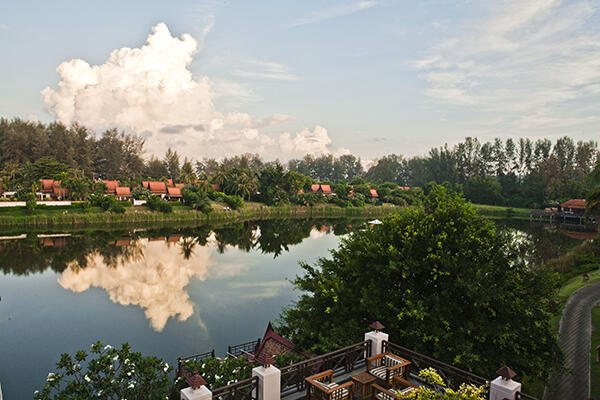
(111,186)
(315,188)
(174,238)
(174,192)
(123,191)
(47,185)
(404,187)
(146,184)
(180,185)
(216,187)
(158,187)
(58,191)
(326,189)
(124,241)
(373,193)
(170,182)
(271,334)
(574,203)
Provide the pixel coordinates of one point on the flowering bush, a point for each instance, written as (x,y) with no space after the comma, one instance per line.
(441,392)
(110,374)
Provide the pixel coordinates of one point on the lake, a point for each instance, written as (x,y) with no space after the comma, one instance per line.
(168,292)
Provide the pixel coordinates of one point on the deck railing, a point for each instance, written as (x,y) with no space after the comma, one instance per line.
(243,348)
(524,396)
(341,361)
(196,357)
(452,375)
(242,390)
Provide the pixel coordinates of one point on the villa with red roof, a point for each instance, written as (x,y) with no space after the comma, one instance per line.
(123,193)
(158,188)
(326,189)
(573,206)
(174,193)
(273,344)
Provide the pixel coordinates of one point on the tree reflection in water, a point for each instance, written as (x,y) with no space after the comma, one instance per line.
(150,269)
(134,268)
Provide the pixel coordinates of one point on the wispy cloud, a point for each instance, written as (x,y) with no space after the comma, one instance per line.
(338,10)
(4,27)
(265,70)
(525,61)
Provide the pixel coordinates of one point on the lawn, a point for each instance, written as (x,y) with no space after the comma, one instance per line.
(502,211)
(570,287)
(595,366)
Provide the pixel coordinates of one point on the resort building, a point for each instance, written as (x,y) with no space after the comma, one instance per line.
(573,207)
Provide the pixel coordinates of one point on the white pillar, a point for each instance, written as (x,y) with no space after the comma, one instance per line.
(501,389)
(202,393)
(269,382)
(377,338)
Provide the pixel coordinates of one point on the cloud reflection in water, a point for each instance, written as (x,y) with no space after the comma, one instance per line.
(155,281)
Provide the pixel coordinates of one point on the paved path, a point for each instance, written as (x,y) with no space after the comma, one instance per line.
(574,338)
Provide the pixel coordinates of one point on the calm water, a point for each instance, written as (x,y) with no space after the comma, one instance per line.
(168,293)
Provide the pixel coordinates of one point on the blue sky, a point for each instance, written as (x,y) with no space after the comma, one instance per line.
(284,77)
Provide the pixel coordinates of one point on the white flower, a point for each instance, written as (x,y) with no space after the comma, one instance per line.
(107,347)
(87,378)
(115,358)
(126,361)
(99,393)
(51,377)
(36,391)
(131,386)
(129,373)
(166,368)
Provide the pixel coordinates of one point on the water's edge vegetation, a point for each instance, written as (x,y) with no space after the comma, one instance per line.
(145,218)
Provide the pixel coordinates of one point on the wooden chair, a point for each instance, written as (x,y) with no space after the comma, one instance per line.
(385,366)
(401,392)
(322,387)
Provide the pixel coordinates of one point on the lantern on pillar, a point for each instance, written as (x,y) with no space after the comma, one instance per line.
(376,326)
(506,373)
(265,360)
(195,381)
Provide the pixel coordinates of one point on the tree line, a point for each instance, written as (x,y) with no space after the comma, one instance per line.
(518,173)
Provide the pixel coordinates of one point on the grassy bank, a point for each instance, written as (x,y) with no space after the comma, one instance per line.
(502,212)
(143,217)
(595,366)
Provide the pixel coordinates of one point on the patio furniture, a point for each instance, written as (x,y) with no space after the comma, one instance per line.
(362,385)
(400,392)
(322,387)
(385,366)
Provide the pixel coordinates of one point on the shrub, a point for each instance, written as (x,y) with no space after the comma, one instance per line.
(110,374)
(155,203)
(30,206)
(235,202)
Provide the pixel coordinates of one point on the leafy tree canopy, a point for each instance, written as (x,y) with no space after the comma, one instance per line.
(443,280)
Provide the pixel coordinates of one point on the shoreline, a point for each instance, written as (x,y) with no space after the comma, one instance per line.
(134,218)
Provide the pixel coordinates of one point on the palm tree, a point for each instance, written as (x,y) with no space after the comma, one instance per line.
(187,247)
(593,198)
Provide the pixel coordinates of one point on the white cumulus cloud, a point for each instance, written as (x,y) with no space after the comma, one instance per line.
(315,142)
(150,90)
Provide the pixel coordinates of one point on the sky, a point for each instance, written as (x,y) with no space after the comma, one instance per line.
(285,78)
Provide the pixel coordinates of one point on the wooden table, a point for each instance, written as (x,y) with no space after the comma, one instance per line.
(362,385)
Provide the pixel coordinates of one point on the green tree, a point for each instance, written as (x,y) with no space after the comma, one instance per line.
(172,164)
(187,172)
(593,197)
(110,374)
(443,280)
